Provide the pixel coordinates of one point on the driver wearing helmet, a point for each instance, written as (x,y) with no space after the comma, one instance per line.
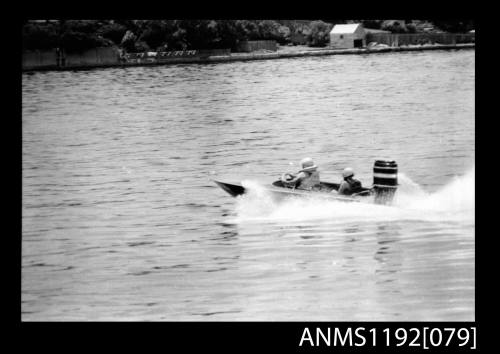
(349,185)
(307,178)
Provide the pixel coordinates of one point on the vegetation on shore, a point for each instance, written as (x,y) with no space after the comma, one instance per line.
(145,35)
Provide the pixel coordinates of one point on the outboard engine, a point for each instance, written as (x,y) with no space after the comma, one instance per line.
(385,181)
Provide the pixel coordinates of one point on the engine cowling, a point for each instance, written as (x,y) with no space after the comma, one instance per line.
(385,180)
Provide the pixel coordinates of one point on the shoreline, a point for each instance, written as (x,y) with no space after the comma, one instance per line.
(280,54)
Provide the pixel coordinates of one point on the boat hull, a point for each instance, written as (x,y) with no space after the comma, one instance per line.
(328,191)
(385,182)
(233,189)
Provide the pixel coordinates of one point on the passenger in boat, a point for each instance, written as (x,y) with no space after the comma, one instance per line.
(307,178)
(349,185)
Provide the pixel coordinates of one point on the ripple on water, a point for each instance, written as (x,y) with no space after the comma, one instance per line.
(121,221)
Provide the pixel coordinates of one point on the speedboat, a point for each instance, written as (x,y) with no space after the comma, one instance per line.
(381,192)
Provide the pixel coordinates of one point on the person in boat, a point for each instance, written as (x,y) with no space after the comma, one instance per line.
(349,185)
(307,178)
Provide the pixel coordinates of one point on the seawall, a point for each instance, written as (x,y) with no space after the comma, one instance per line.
(230,57)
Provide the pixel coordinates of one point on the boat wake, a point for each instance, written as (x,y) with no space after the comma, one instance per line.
(455,202)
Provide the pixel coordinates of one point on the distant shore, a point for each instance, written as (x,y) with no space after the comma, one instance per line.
(282,52)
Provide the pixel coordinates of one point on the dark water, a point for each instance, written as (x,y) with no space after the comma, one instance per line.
(121,222)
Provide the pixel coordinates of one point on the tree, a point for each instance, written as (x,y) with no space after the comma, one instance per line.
(81,26)
(394,26)
(113,31)
(284,34)
(374,24)
(73,41)
(128,41)
(157,33)
(269,29)
(246,30)
(179,40)
(81,35)
(225,34)
(36,36)
(456,26)
(320,34)
(196,34)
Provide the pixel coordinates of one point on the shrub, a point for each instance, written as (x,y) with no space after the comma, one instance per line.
(141,46)
(411,28)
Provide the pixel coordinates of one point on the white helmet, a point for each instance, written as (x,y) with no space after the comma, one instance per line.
(307,164)
(348,172)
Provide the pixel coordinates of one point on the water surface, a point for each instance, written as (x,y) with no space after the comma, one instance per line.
(121,222)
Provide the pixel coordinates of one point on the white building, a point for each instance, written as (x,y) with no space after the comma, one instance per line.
(348,36)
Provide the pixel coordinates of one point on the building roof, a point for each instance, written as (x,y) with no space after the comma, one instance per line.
(349,28)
